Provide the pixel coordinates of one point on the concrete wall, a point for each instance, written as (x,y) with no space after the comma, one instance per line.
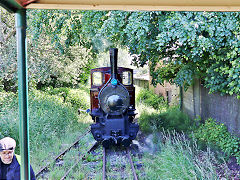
(192,100)
(141,82)
(225,109)
(168,91)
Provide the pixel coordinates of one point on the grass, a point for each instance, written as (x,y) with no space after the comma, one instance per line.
(151,99)
(179,159)
(154,114)
(53,123)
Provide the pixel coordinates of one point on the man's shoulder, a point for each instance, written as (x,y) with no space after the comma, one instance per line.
(18,157)
(13,171)
(15,163)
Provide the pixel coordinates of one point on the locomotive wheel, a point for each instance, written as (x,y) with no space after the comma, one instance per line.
(126,142)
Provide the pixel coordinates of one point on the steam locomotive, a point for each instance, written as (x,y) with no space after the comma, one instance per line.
(112,96)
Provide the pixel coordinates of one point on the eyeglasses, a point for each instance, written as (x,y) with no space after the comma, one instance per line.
(7,153)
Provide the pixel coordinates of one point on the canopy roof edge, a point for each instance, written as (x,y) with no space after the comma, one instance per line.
(126,5)
(10,5)
(134,7)
(14,5)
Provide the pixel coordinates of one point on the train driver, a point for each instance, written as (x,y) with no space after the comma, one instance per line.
(9,161)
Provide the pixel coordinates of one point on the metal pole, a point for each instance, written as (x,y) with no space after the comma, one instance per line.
(181,98)
(23,93)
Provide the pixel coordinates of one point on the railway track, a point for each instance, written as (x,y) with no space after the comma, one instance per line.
(82,157)
(128,154)
(79,159)
(60,155)
(104,162)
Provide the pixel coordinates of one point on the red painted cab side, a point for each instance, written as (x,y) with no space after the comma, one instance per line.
(102,75)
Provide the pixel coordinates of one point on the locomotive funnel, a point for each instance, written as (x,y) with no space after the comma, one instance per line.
(113,60)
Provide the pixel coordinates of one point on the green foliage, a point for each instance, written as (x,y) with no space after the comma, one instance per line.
(150,122)
(178,159)
(148,97)
(191,44)
(76,97)
(217,133)
(205,42)
(63,91)
(8,51)
(52,60)
(50,118)
(9,116)
(57,40)
(172,119)
(167,72)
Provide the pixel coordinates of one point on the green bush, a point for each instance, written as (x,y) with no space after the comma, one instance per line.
(150,122)
(9,116)
(63,91)
(49,118)
(179,159)
(217,133)
(78,98)
(172,119)
(148,97)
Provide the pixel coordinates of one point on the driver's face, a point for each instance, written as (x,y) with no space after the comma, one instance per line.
(7,156)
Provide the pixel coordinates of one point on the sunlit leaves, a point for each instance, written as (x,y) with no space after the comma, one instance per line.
(203,45)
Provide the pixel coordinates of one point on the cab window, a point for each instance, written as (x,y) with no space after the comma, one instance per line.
(127,78)
(97,78)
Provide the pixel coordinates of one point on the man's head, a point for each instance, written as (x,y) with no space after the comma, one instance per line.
(7,147)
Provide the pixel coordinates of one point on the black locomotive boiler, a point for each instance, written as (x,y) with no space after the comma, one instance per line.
(112,97)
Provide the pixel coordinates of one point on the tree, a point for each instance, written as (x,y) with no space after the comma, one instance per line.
(8,66)
(191,44)
(54,60)
(51,62)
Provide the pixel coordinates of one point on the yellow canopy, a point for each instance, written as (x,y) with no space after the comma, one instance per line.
(128,5)
(149,5)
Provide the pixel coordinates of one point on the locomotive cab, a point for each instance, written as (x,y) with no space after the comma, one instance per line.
(112,97)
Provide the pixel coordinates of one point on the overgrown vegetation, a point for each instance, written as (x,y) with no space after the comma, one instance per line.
(9,116)
(161,117)
(187,45)
(172,119)
(77,98)
(178,46)
(217,134)
(149,98)
(178,158)
(52,121)
(190,44)
(56,65)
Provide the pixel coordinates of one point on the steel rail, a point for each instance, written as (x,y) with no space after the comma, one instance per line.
(65,175)
(104,164)
(93,147)
(130,161)
(132,165)
(62,153)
